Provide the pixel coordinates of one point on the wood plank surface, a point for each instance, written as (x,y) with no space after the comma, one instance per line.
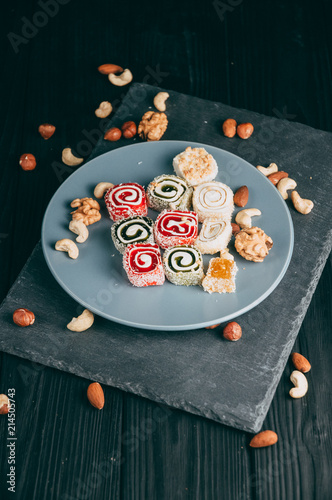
(271,57)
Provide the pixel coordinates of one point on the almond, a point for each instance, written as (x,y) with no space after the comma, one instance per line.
(241,196)
(264,438)
(235,228)
(275,178)
(300,362)
(96,396)
(212,326)
(106,69)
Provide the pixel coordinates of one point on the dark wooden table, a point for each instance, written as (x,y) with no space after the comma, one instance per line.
(267,56)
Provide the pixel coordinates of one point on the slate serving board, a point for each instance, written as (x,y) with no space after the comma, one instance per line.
(197,370)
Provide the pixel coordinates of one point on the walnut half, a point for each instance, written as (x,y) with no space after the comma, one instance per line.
(253,244)
(152,126)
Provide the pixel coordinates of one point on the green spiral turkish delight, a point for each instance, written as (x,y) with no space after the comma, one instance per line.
(135,229)
(183,265)
(169,192)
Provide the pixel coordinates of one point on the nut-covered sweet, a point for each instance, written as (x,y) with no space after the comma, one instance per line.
(232,331)
(113,134)
(241,196)
(235,228)
(129,130)
(264,438)
(46,130)
(96,396)
(300,362)
(275,178)
(87,210)
(229,127)
(28,161)
(245,130)
(105,109)
(4,404)
(23,317)
(106,69)
(152,126)
(253,244)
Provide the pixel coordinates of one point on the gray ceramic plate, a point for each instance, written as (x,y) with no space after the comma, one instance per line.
(97,280)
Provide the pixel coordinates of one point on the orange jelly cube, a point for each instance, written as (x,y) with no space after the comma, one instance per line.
(220,276)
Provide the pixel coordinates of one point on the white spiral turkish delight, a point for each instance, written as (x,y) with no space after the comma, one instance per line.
(214,236)
(213,200)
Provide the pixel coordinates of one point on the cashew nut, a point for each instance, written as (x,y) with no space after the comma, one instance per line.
(303,206)
(159,101)
(243,218)
(77,227)
(121,80)
(69,159)
(284,185)
(101,189)
(82,322)
(105,109)
(301,384)
(69,246)
(271,169)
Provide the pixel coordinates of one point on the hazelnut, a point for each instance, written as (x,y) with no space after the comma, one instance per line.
(232,331)
(23,317)
(46,130)
(229,127)
(129,129)
(113,134)
(28,162)
(235,228)
(4,404)
(244,130)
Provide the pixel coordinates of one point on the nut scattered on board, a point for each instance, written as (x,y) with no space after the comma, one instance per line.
(87,210)
(4,404)
(212,326)
(301,385)
(229,127)
(82,322)
(46,130)
(241,196)
(23,317)
(96,396)
(69,246)
(28,161)
(129,130)
(69,159)
(300,362)
(277,176)
(79,228)
(301,205)
(121,80)
(235,228)
(284,185)
(253,244)
(264,438)
(113,134)
(159,101)
(243,218)
(104,110)
(271,169)
(244,130)
(106,69)
(152,126)
(101,189)
(232,331)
